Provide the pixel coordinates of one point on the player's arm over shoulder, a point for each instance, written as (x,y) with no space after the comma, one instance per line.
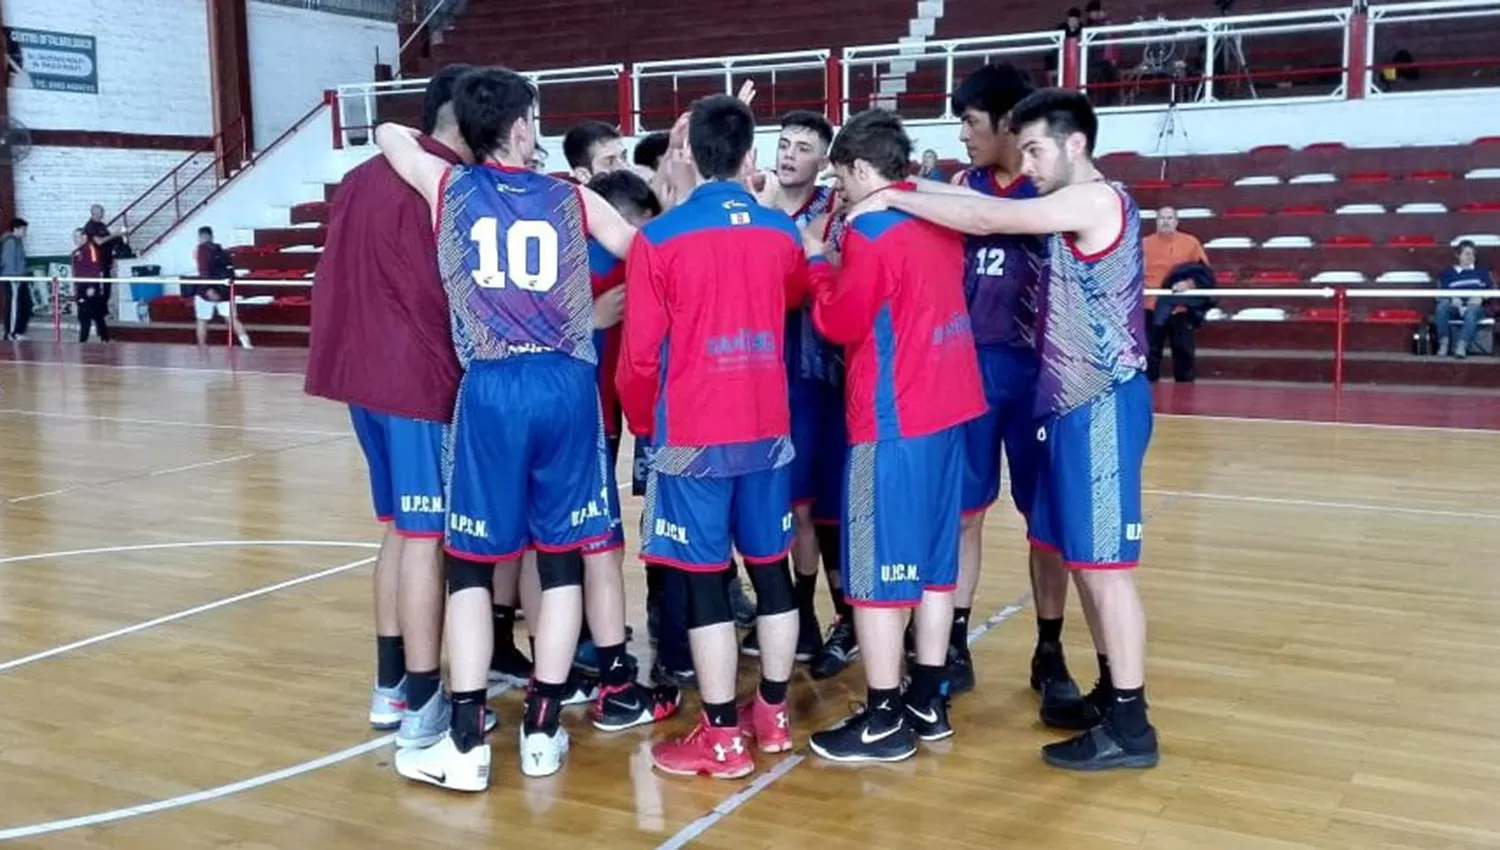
(1086,210)
(606,224)
(420,169)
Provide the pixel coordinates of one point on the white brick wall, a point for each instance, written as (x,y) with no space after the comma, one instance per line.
(56,186)
(296,54)
(153,66)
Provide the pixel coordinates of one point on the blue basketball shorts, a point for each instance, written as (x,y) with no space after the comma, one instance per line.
(616,538)
(1009,376)
(526,459)
(1088,496)
(694,523)
(820,437)
(901,518)
(405,458)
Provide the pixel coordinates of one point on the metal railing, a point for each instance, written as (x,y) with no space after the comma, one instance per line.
(663,90)
(950,58)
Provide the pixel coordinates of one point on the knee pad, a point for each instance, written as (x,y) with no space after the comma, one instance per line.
(466,575)
(708,599)
(559,569)
(773,588)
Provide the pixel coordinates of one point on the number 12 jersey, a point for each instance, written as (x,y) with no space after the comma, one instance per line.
(513,250)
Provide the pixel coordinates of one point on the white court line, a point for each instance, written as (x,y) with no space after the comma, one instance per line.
(1314,503)
(191,544)
(703,824)
(131,367)
(1326,423)
(175,423)
(209,793)
(189,612)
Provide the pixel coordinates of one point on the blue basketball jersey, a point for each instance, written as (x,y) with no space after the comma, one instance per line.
(514,255)
(1002,272)
(808,355)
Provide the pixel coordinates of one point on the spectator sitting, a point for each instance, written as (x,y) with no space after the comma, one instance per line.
(214,263)
(1176,319)
(91,295)
(929,169)
(1165,251)
(1464,275)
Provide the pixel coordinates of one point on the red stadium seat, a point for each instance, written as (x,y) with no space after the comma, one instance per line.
(1264,150)
(1149,185)
(1480,207)
(1349,240)
(1204,183)
(1277,277)
(1431,175)
(1413,240)
(1245,212)
(1303,210)
(1396,316)
(1369,177)
(1325,147)
(1319,314)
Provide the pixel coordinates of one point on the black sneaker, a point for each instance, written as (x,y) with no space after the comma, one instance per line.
(510,666)
(930,722)
(1063,704)
(663,675)
(859,739)
(582,689)
(633,704)
(960,670)
(751,644)
(1104,748)
(809,642)
(839,650)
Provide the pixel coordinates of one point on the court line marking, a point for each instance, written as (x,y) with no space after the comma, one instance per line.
(135,367)
(739,798)
(210,793)
(186,544)
(175,423)
(1329,423)
(187,612)
(1314,503)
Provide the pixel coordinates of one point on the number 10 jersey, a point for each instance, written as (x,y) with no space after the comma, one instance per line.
(513,250)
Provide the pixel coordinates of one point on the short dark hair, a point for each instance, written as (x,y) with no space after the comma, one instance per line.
(994,90)
(650,150)
(1064,112)
(582,138)
(487,102)
(18,223)
(877,137)
(205,230)
(1465,243)
(806,119)
(439,94)
(721,131)
(626,191)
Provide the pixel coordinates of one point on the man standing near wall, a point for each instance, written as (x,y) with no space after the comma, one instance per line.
(381,343)
(18,305)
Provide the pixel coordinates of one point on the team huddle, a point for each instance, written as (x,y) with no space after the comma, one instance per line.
(811,374)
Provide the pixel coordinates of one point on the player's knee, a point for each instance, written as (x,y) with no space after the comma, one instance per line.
(467,575)
(559,569)
(708,599)
(773,588)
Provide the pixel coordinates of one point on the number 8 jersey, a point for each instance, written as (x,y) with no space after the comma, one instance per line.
(513,250)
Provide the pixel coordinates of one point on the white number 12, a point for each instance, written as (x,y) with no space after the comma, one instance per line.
(991,262)
(486,232)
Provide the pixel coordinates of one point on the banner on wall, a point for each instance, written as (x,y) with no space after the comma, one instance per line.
(54,61)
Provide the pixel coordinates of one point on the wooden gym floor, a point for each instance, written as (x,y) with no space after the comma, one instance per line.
(185,655)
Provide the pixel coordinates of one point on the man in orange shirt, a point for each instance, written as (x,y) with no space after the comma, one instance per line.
(1166,252)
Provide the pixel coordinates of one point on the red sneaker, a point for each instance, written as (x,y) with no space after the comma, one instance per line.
(767,724)
(710,751)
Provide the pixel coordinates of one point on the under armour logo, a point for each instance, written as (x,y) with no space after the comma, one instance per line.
(781,721)
(735,744)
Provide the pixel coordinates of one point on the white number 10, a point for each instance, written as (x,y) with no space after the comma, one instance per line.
(485,233)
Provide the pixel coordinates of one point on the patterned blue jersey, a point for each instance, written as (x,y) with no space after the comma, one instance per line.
(1002,272)
(808,355)
(514,256)
(1093,317)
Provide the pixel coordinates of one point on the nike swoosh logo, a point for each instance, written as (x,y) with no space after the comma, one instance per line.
(435,777)
(929,716)
(866,737)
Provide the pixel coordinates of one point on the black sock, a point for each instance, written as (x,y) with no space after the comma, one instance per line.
(1048,631)
(960,635)
(926,683)
(1106,682)
(773,692)
(544,707)
(390,660)
(505,627)
(468,719)
(614,669)
(885,706)
(722,714)
(1128,712)
(805,588)
(830,540)
(653,584)
(420,686)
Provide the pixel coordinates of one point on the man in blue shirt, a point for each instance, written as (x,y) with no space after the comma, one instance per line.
(1465,275)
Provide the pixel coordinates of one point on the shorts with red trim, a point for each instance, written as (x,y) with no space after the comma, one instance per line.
(1009,376)
(1088,498)
(693,523)
(616,538)
(821,438)
(405,458)
(901,518)
(526,459)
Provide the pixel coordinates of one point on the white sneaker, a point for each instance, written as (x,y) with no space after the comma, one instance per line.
(542,755)
(387,706)
(444,766)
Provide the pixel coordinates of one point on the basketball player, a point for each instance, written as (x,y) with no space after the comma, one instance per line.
(1093,398)
(380,343)
(708,286)
(513,250)
(593,148)
(897,304)
(814,377)
(1000,287)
